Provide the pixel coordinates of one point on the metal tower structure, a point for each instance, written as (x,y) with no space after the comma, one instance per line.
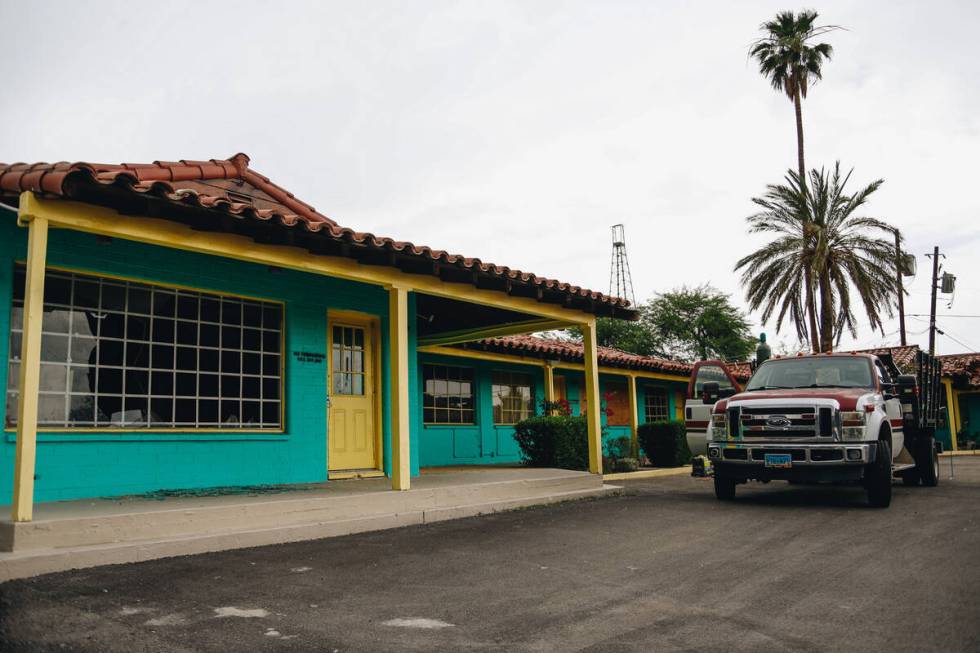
(620,279)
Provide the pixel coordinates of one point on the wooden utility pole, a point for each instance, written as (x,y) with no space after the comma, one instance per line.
(898,284)
(932,309)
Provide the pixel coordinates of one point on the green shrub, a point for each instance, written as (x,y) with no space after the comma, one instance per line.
(621,447)
(554,441)
(665,443)
(621,455)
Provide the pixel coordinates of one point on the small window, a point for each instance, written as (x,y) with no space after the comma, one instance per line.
(349,362)
(448,397)
(617,404)
(512,397)
(657,408)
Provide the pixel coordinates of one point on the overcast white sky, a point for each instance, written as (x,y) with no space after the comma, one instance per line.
(518,132)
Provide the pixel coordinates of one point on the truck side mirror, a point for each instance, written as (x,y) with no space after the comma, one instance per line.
(906,383)
(710,392)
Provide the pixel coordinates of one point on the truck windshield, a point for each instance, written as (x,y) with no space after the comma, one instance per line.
(816,372)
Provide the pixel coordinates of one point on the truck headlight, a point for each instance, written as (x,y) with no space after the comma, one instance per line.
(853,424)
(719,426)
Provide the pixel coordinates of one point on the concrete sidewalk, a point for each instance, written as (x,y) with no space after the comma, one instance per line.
(75,534)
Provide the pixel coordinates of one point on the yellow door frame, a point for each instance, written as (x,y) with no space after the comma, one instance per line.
(372,324)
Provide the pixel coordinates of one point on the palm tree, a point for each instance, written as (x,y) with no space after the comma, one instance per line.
(848,255)
(792,64)
(818,232)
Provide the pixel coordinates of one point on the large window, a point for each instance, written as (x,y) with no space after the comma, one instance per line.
(131,355)
(512,397)
(657,406)
(448,397)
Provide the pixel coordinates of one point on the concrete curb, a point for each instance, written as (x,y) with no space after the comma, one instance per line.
(647,473)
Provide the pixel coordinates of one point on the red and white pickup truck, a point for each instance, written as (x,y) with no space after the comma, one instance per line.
(851,417)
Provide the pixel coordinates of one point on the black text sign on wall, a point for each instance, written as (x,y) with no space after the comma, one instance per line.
(309,356)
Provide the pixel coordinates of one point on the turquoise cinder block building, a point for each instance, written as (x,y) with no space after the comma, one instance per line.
(191,324)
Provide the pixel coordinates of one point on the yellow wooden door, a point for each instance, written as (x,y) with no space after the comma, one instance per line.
(351,434)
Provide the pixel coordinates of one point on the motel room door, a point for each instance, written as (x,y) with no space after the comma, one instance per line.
(352,434)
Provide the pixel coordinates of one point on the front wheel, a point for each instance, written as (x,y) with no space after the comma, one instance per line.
(724,488)
(878,477)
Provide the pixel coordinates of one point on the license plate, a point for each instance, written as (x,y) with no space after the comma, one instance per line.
(779,460)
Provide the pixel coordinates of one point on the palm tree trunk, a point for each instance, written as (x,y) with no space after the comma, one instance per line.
(811,312)
(811,309)
(826,313)
(801,167)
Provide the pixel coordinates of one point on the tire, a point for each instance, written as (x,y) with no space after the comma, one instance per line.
(927,462)
(910,477)
(724,488)
(878,477)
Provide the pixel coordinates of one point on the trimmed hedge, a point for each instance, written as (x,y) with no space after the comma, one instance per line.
(554,441)
(665,443)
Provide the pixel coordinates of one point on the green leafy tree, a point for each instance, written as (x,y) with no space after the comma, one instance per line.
(634,337)
(792,63)
(817,231)
(699,323)
(686,323)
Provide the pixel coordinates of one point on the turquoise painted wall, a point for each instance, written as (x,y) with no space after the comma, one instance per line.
(76,465)
(968,410)
(485,443)
(970,416)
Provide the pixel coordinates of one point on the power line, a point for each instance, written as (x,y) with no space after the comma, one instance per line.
(959,342)
(947,334)
(943,316)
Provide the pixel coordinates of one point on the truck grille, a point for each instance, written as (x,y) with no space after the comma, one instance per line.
(781,421)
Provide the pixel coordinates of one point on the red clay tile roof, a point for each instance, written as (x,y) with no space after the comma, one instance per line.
(741,370)
(904,356)
(569,350)
(231,187)
(964,368)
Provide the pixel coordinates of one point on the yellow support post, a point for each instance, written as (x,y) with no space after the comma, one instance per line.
(30,370)
(959,422)
(594,416)
(952,412)
(549,387)
(401,474)
(634,413)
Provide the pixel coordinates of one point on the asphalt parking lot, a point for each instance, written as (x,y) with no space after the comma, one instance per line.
(663,568)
